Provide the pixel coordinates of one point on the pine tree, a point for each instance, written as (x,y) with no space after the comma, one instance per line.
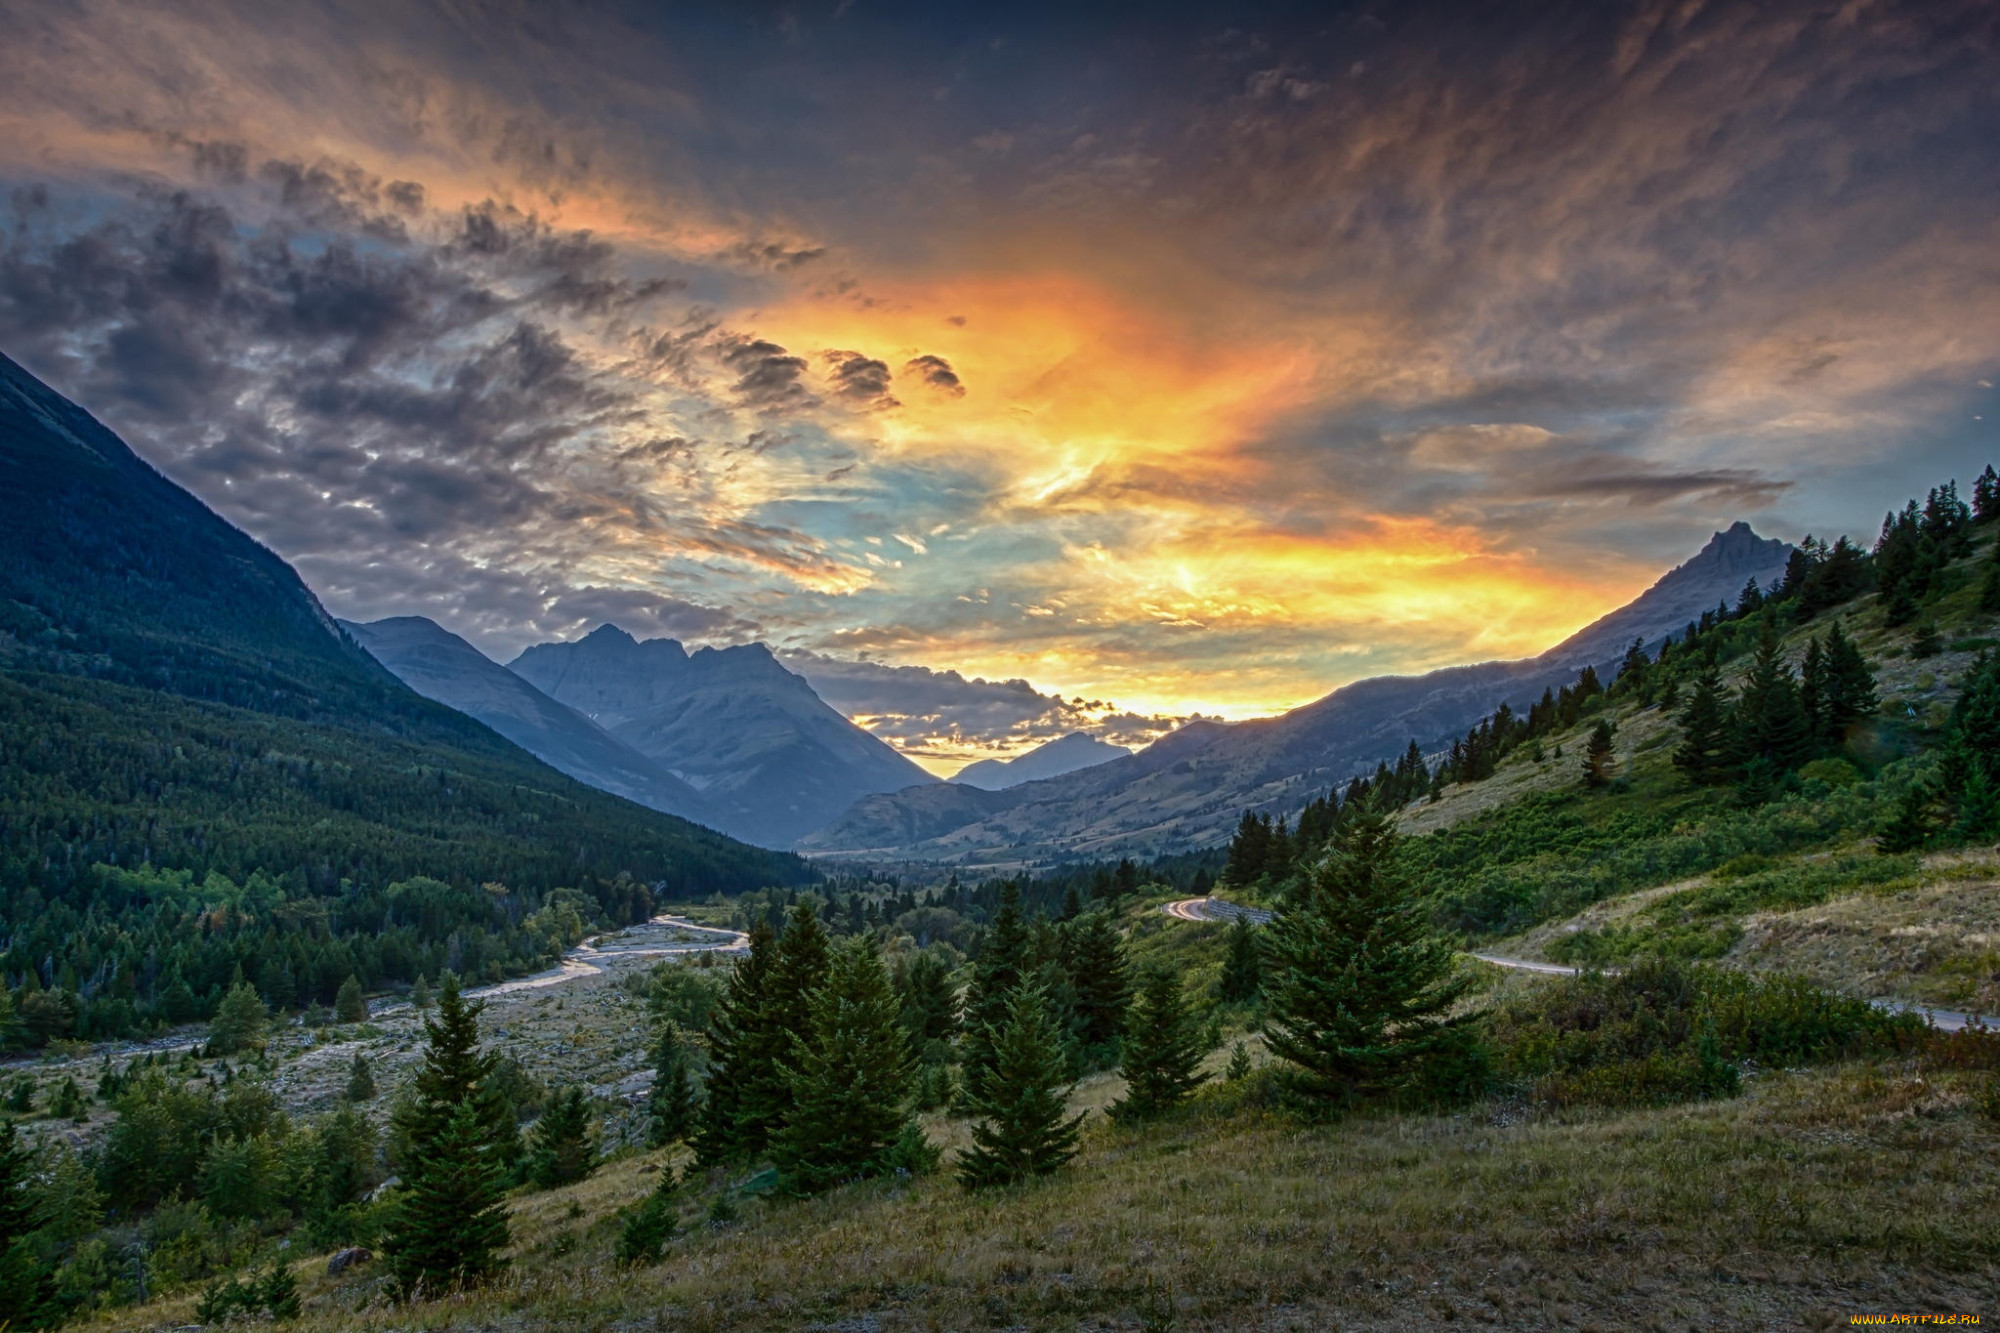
(1597,755)
(798,969)
(449,1227)
(25,1285)
(1986,495)
(736,1044)
(1925,640)
(1358,986)
(1912,825)
(1022,1099)
(1989,584)
(1704,748)
(999,968)
(1971,761)
(1769,721)
(851,1081)
(348,1004)
(1101,981)
(1846,692)
(1242,966)
(1163,1051)
(929,1003)
(239,1023)
(562,1147)
(1239,1064)
(360,1080)
(344,1166)
(456,1072)
(652,1224)
(672,1111)
(420,994)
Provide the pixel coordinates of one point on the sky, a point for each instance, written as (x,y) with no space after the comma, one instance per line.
(1023,368)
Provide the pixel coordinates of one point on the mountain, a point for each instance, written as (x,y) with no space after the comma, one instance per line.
(172,695)
(770,758)
(439,665)
(1187,789)
(1065,754)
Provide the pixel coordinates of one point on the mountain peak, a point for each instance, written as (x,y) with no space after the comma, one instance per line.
(609,634)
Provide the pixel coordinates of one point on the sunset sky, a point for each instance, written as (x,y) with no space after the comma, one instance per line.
(1169,359)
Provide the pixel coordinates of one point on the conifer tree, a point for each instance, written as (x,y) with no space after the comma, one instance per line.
(1022,1099)
(851,1080)
(672,1111)
(344,1166)
(25,1285)
(239,1023)
(1989,584)
(1000,967)
(1100,979)
(1912,825)
(1597,755)
(1358,986)
(929,1003)
(456,1072)
(562,1147)
(348,1005)
(1239,1064)
(1163,1051)
(1986,495)
(1242,966)
(1704,750)
(737,1042)
(798,969)
(1769,721)
(1971,766)
(1844,691)
(360,1080)
(449,1227)
(420,994)
(653,1223)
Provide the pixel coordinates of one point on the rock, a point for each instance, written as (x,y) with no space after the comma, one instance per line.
(346,1259)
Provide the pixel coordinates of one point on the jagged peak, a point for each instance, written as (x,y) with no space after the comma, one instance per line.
(607,634)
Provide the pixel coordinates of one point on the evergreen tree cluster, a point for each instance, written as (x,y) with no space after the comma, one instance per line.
(1263,849)
(1778,719)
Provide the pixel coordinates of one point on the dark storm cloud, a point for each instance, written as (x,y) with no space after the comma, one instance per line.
(860,378)
(767,375)
(936,372)
(772,256)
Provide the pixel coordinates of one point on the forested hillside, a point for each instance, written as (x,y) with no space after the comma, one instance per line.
(198,771)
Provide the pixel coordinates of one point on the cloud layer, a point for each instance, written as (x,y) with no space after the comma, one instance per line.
(1212,366)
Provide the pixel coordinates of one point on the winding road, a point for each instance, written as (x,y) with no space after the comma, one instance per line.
(1215,909)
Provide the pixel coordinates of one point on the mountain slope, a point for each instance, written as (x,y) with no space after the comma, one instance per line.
(770,758)
(170,692)
(441,666)
(1065,754)
(1187,789)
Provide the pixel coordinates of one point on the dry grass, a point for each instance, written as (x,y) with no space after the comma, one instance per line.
(1817,1194)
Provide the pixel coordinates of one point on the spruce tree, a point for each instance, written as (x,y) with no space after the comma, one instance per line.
(1163,1050)
(1000,966)
(239,1023)
(672,1110)
(562,1147)
(798,968)
(1847,687)
(1358,986)
(449,1227)
(454,1072)
(737,1042)
(348,1005)
(929,1003)
(1912,825)
(1989,583)
(1242,965)
(344,1164)
(851,1080)
(1703,754)
(1022,1099)
(1769,721)
(652,1224)
(360,1080)
(1239,1064)
(25,1285)
(1101,981)
(420,994)
(1971,761)
(1597,755)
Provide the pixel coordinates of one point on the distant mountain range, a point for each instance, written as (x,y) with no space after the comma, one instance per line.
(768,757)
(171,693)
(1187,789)
(1065,754)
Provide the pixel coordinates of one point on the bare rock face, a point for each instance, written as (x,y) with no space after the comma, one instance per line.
(351,1257)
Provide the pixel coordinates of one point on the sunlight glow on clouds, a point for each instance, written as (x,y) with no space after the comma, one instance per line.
(1210,367)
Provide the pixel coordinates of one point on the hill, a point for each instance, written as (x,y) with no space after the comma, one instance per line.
(769,757)
(1065,754)
(183,727)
